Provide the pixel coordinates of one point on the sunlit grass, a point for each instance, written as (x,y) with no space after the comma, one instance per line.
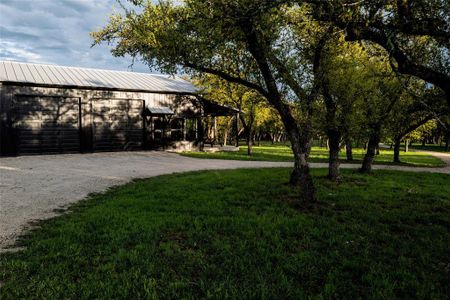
(284,153)
(239,234)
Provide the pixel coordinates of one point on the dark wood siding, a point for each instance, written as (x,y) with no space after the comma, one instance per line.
(45,124)
(117,124)
(46,120)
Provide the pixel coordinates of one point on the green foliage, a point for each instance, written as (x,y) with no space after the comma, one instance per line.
(255,110)
(169,35)
(422,132)
(413,32)
(363,85)
(237,234)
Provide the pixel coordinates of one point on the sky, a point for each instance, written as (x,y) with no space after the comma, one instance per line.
(57,32)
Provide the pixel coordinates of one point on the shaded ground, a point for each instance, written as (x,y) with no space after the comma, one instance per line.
(241,234)
(435,148)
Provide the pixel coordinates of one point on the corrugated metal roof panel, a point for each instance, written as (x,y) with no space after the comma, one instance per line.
(53,75)
(28,75)
(42,76)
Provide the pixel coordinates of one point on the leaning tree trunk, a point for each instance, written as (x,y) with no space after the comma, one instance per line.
(348,149)
(367,163)
(397,143)
(299,138)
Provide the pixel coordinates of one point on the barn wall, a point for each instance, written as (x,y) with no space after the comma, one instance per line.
(9,94)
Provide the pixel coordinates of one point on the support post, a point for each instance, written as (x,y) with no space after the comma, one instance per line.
(200,131)
(215,129)
(184,128)
(163,135)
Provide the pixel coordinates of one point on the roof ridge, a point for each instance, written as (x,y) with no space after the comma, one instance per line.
(90,68)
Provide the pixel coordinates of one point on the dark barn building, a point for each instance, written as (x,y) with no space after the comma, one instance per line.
(46,109)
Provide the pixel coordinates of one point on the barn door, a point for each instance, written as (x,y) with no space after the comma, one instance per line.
(117,124)
(45,124)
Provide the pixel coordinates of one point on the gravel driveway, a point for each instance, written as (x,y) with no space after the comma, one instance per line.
(35,187)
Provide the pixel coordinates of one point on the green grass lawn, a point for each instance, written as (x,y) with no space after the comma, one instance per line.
(238,234)
(284,153)
(437,148)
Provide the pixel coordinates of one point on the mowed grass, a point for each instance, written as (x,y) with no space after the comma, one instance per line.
(284,153)
(239,234)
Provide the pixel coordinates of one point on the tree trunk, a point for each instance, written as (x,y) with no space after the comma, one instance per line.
(225,136)
(299,138)
(349,149)
(301,176)
(201,138)
(446,144)
(250,139)
(367,163)
(259,137)
(406,145)
(333,159)
(397,143)
(236,126)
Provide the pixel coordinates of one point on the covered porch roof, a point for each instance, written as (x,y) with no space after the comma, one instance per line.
(211,108)
(201,106)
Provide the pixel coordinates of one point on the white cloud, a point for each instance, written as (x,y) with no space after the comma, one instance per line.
(13,51)
(50,31)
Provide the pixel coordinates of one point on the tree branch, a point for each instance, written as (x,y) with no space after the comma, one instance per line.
(405,65)
(414,126)
(229,78)
(287,77)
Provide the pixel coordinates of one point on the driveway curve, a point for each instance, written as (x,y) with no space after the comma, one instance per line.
(37,187)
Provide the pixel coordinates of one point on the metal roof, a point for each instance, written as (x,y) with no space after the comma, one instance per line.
(162,110)
(53,75)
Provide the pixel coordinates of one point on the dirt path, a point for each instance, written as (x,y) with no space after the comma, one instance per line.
(36,187)
(445,157)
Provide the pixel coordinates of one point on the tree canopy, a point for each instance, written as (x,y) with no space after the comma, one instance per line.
(329,66)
